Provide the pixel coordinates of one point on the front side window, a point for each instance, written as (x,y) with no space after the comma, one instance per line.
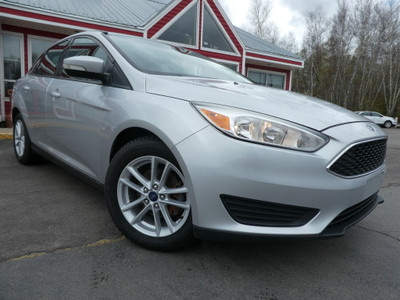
(48,63)
(11,61)
(85,47)
(158,58)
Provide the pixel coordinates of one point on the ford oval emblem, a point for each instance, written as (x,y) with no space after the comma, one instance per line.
(153,196)
(371,128)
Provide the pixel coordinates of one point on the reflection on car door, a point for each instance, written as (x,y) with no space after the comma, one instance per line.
(75,110)
(34,89)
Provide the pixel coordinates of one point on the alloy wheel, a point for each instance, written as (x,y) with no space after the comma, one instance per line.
(153,197)
(19,138)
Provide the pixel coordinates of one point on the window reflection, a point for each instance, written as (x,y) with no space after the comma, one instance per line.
(158,58)
(38,47)
(48,64)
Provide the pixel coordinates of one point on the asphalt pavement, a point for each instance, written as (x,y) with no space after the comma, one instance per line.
(57,241)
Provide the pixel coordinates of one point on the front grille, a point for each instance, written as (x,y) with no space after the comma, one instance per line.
(351,216)
(360,159)
(262,213)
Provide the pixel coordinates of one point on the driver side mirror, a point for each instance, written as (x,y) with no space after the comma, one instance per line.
(87,67)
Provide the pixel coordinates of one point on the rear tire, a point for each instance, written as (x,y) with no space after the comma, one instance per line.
(147,196)
(22,143)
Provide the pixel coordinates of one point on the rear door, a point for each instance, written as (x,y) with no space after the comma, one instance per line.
(75,113)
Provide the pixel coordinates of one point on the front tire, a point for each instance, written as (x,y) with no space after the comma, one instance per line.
(387,124)
(147,196)
(22,143)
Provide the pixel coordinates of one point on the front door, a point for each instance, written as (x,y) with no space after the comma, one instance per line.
(74,114)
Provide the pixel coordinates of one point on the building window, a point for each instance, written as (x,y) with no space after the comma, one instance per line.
(233,67)
(213,36)
(268,79)
(12,61)
(36,47)
(183,31)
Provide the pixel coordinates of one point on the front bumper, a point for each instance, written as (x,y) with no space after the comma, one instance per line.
(215,164)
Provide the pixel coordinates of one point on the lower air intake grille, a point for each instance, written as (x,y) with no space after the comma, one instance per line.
(354,210)
(261,213)
(360,159)
(351,216)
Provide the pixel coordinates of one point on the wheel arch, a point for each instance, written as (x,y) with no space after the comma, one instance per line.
(129,134)
(14,112)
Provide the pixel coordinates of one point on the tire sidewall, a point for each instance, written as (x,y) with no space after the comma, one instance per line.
(25,157)
(128,153)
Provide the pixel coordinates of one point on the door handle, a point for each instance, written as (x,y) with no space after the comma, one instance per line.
(55,95)
(26,88)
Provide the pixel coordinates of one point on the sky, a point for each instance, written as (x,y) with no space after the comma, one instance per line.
(288,15)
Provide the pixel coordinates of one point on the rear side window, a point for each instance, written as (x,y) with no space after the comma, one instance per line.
(47,65)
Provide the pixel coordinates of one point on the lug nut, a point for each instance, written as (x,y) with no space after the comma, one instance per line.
(156,205)
(155,186)
(162,197)
(146,201)
(145,190)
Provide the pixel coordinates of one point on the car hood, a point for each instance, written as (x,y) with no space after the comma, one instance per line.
(308,111)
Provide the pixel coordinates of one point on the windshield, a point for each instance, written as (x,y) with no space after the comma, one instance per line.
(158,58)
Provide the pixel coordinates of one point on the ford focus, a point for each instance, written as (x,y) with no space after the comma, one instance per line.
(186,148)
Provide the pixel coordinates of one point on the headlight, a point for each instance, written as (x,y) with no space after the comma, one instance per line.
(250,126)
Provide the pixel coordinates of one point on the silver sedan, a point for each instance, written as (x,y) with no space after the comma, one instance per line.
(186,148)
